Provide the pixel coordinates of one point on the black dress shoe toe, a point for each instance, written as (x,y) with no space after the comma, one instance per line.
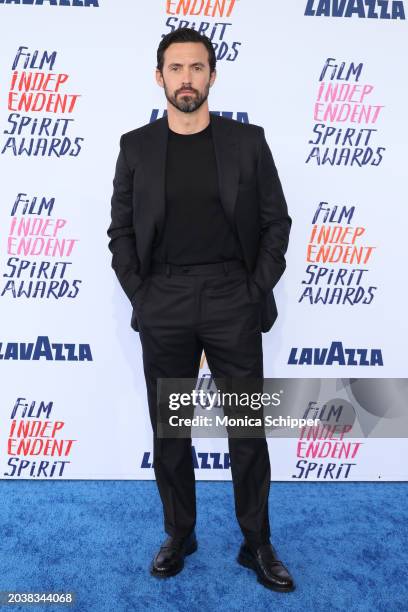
(270,571)
(169,561)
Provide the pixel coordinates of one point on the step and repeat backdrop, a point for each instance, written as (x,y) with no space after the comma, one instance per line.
(327,81)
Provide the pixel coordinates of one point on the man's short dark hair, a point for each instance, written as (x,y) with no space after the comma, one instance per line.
(185,35)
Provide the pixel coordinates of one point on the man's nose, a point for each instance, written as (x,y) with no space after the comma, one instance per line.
(187,74)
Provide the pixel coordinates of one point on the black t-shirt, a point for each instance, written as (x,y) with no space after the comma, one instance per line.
(196,229)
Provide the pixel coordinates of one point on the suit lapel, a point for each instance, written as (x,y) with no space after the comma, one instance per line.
(227,157)
(154,153)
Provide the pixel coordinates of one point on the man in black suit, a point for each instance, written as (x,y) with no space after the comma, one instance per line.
(198,235)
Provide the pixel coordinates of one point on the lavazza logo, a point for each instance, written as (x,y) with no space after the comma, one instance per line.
(364,9)
(335,354)
(42,348)
(202,460)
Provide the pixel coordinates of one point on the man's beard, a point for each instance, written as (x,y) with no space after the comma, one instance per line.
(187,103)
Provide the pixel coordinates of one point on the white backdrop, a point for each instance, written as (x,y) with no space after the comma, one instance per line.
(271,58)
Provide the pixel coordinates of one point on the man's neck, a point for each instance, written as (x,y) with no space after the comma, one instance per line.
(187,123)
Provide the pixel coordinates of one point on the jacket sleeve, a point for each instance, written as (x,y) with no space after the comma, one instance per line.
(122,244)
(275,221)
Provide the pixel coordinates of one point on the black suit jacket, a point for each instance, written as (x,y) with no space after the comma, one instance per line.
(250,192)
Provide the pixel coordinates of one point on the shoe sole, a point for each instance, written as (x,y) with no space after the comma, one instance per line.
(188,551)
(250,564)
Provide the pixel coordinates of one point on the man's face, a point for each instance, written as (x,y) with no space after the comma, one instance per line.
(186,75)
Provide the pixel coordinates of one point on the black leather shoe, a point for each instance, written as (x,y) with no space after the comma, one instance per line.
(270,571)
(169,561)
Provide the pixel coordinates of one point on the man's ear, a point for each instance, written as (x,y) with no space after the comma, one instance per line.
(213,77)
(159,78)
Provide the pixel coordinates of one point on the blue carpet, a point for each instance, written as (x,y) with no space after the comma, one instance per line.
(345,544)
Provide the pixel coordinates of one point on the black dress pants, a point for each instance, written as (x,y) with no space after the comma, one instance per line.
(180,312)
